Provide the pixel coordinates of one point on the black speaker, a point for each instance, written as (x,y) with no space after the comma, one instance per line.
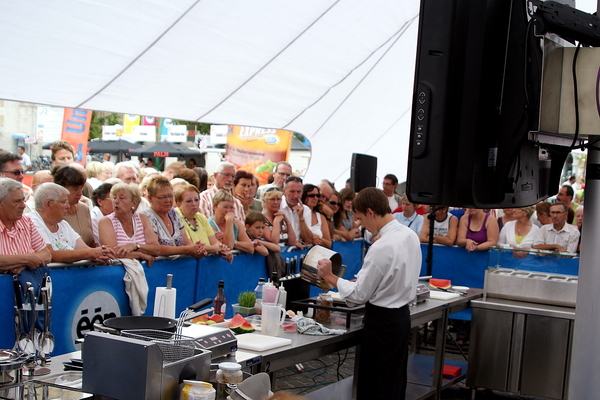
(364,172)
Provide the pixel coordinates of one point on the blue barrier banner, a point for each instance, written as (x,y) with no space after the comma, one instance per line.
(83,295)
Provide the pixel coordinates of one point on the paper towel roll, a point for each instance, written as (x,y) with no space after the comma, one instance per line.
(164,302)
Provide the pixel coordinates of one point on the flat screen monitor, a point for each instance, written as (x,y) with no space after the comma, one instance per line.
(476,98)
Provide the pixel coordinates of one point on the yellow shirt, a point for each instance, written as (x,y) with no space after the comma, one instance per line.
(203,231)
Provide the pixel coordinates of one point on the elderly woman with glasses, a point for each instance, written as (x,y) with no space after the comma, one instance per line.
(78,214)
(228,229)
(195,224)
(166,223)
(313,227)
(65,245)
(280,231)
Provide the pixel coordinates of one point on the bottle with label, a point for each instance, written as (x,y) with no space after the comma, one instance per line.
(220,304)
(258,291)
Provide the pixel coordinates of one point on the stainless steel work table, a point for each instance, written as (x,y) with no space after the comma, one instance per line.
(422,383)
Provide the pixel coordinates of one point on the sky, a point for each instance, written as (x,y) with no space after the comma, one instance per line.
(589,6)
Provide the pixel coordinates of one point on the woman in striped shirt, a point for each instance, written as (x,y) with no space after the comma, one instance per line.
(129,233)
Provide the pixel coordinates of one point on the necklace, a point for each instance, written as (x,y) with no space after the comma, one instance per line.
(190,225)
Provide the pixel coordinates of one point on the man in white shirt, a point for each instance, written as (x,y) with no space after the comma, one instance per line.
(291,205)
(25,160)
(390,183)
(387,283)
(558,236)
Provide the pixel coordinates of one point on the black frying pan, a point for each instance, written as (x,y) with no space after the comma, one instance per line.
(147,322)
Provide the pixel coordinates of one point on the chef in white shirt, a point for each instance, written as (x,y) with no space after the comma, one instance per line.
(387,283)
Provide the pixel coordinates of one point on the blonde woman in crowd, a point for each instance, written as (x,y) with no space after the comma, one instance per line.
(195,224)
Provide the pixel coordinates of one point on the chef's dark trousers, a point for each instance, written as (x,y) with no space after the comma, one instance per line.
(383,353)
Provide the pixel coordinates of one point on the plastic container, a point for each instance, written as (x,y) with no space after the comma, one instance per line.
(197,390)
(258,291)
(270,294)
(282,301)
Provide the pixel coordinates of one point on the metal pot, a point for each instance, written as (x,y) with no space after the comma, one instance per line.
(118,324)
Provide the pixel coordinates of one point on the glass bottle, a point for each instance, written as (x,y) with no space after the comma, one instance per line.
(220,304)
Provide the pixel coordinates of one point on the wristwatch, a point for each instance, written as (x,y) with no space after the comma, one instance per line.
(137,246)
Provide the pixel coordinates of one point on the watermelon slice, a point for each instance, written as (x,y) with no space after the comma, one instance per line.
(217,318)
(440,283)
(239,325)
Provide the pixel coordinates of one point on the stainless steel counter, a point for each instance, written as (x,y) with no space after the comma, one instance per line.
(308,347)
(515,306)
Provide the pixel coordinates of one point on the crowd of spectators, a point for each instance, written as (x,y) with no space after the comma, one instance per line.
(108,211)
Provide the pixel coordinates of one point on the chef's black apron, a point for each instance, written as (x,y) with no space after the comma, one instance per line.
(383,353)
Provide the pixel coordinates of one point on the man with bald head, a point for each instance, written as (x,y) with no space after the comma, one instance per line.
(39,177)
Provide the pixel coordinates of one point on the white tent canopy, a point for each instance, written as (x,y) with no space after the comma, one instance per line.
(339,72)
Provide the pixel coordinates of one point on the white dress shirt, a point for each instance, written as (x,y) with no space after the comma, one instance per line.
(390,271)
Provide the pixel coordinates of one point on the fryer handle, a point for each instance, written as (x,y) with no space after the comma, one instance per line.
(200,304)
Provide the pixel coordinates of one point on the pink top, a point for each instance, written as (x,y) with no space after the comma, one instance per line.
(138,230)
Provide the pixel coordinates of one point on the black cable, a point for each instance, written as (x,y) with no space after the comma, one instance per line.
(575,93)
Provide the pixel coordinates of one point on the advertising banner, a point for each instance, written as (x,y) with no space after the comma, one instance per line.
(257,150)
(177,134)
(49,123)
(112,132)
(144,133)
(75,130)
(148,121)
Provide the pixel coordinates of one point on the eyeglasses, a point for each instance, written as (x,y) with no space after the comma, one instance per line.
(284,174)
(272,188)
(166,196)
(333,203)
(63,202)
(227,174)
(557,212)
(312,195)
(15,173)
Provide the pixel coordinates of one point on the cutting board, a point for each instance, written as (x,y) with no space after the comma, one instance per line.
(258,342)
(437,295)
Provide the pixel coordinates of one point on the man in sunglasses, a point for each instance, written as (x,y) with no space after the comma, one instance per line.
(10,167)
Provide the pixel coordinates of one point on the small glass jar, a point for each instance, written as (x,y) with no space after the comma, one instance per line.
(229,372)
(322,315)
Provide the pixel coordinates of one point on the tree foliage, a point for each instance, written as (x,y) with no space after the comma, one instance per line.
(102,118)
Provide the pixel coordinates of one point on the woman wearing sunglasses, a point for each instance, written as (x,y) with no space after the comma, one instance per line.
(280,231)
(313,227)
(342,224)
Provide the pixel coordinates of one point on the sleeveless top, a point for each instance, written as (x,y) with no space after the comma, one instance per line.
(283,232)
(441,228)
(212,223)
(138,230)
(158,226)
(481,235)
